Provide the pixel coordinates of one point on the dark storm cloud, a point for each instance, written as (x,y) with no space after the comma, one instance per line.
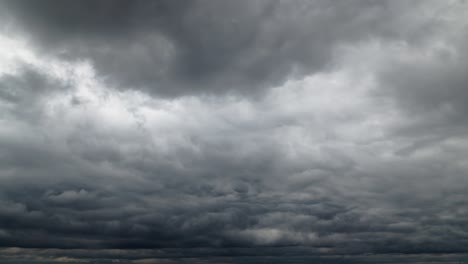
(21,96)
(432,87)
(265,255)
(361,149)
(176,48)
(88,188)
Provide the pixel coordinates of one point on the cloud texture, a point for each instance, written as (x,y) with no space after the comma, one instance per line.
(233,131)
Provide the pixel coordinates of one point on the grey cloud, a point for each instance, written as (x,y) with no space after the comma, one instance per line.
(276,255)
(348,160)
(92,189)
(211,47)
(21,96)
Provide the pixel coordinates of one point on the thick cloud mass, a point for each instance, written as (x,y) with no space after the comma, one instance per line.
(233,131)
(173,48)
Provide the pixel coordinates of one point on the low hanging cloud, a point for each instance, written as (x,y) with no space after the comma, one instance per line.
(233,132)
(197,47)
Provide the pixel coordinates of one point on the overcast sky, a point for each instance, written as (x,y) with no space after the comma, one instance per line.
(243,131)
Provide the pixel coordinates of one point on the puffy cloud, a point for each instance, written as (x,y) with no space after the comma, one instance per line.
(211,47)
(287,131)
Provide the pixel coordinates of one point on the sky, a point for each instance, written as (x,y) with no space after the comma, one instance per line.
(247,131)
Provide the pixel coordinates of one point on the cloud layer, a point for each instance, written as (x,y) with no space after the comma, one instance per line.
(233,132)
